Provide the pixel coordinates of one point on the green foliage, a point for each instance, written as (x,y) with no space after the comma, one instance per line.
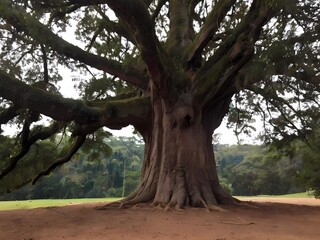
(38,158)
(309,174)
(84,176)
(96,148)
(254,170)
(226,185)
(243,170)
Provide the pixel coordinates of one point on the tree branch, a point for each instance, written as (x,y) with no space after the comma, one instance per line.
(225,85)
(137,19)
(61,109)
(234,53)
(109,113)
(181,28)
(278,103)
(29,138)
(75,147)
(54,4)
(112,26)
(156,12)
(248,29)
(8,114)
(45,64)
(207,31)
(23,21)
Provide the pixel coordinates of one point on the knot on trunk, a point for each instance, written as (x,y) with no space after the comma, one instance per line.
(183,116)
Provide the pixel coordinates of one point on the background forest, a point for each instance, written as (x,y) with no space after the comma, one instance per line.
(112,169)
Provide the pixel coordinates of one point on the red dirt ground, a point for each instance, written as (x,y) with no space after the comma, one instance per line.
(273,221)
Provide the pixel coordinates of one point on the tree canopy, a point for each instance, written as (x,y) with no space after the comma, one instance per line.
(172,69)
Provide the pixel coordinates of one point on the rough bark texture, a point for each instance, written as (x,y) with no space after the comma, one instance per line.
(179,166)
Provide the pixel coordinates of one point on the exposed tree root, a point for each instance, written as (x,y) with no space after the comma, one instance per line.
(171,206)
(245,204)
(110,205)
(238,223)
(216,208)
(241,222)
(134,201)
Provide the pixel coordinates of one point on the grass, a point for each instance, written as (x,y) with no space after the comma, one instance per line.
(28,204)
(293,195)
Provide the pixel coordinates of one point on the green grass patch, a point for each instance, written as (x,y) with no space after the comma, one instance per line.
(293,195)
(28,204)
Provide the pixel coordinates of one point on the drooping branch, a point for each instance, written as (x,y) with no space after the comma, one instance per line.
(28,24)
(75,147)
(292,67)
(28,139)
(208,30)
(271,95)
(110,113)
(279,103)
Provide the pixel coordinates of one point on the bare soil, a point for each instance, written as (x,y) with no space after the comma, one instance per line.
(300,219)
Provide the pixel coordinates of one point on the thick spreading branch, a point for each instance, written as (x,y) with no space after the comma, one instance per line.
(28,24)
(137,19)
(208,30)
(181,29)
(232,54)
(112,26)
(109,113)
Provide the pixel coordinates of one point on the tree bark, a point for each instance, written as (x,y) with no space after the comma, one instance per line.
(179,168)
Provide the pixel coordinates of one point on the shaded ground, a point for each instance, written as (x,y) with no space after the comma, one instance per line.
(268,221)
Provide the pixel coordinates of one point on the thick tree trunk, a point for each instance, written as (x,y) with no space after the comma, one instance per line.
(179,167)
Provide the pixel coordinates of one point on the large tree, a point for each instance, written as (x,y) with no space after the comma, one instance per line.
(172,69)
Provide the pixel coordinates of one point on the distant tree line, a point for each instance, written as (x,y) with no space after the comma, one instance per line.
(110,167)
(92,173)
(248,170)
(283,166)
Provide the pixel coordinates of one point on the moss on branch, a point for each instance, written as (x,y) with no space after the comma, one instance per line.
(109,113)
(208,30)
